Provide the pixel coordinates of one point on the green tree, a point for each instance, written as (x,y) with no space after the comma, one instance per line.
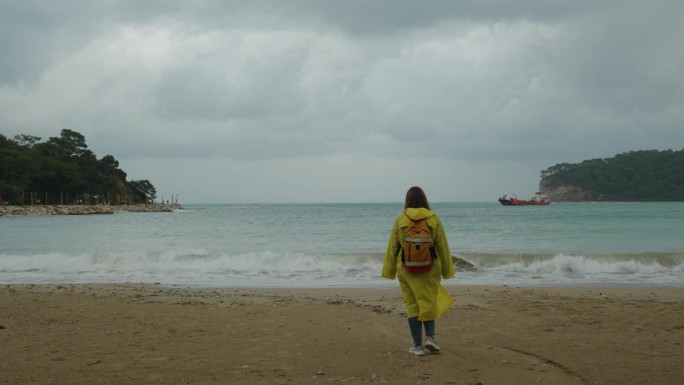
(17,168)
(144,188)
(27,141)
(62,164)
(68,145)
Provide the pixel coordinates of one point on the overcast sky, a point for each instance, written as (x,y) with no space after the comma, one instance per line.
(345,101)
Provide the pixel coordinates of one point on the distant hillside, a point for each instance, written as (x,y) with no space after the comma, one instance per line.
(632,176)
(62,170)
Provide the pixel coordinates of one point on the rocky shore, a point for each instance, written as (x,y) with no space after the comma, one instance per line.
(85,210)
(564,192)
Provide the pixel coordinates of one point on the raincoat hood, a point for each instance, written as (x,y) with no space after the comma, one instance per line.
(418,213)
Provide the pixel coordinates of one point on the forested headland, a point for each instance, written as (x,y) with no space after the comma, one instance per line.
(649,175)
(62,170)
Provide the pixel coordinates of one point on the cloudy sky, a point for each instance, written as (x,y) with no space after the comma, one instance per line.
(345,101)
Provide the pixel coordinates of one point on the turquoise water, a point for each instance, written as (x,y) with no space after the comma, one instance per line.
(343,245)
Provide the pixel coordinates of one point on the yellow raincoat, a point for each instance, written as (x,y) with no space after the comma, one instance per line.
(424,296)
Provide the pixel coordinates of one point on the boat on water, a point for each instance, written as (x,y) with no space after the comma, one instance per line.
(538,199)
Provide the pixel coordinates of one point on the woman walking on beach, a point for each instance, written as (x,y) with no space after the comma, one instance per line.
(424,296)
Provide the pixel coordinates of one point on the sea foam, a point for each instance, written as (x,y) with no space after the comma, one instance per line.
(270,268)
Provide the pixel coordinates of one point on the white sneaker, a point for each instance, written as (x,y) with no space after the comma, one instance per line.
(431,346)
(417,350)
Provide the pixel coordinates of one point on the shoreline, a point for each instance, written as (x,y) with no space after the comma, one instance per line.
(86,209)
(153,333)
(669,294)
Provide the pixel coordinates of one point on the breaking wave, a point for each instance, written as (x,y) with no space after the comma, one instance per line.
(285,269)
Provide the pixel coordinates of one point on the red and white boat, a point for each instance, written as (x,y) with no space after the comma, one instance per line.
(538,199)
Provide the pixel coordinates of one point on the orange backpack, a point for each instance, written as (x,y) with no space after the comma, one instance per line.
(418,251)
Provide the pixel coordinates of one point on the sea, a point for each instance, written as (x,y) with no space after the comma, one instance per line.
(343,245)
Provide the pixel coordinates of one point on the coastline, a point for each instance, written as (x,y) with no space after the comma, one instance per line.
(86,209)
(123,333)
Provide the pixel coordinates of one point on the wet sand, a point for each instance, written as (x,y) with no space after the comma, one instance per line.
(153,334)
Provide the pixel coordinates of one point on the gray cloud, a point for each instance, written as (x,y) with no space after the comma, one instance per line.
(479,83)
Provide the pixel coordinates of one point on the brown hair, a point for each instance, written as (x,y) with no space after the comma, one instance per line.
(415,198)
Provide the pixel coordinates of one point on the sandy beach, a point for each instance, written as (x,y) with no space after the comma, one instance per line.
(154,334)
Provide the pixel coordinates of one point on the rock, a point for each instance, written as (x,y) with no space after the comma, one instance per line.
(558,192)
(462,264)
(85,210)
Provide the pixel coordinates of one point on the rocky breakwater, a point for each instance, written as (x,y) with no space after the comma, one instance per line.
(85,210)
